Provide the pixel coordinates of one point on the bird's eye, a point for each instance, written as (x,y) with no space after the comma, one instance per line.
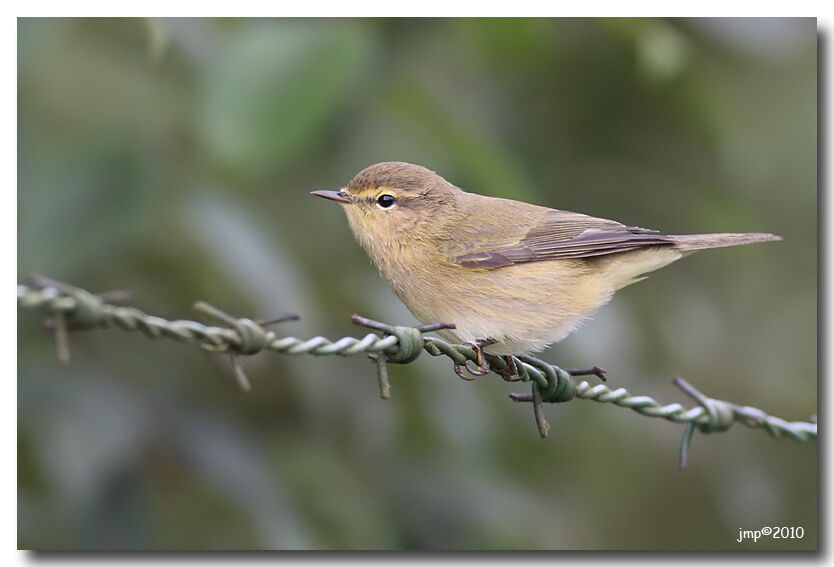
(386,201)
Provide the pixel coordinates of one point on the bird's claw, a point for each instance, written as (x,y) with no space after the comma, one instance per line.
(480,360)
(510,373)
(459,371)
(482,368)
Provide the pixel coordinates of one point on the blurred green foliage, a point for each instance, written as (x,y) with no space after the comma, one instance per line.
(175,157)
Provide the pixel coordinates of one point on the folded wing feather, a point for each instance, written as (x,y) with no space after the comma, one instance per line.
(561,235)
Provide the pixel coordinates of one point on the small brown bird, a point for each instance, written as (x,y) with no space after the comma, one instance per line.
(513,277)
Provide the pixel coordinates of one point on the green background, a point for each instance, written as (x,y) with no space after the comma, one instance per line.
(175,158)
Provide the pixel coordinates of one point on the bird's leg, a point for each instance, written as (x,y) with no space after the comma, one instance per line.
(510,373)
(589,371)
(480,360)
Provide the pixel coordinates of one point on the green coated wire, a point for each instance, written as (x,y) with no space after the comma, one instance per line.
(70,308)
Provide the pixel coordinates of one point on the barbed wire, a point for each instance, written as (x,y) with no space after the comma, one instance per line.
(68,308)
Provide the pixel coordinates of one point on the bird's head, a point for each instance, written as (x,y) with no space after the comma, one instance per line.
(390,203)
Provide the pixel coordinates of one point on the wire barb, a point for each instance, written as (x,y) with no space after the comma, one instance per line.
(409,345)
(253,337)
(541,422)
(69,309)
(590,371)
(382,374)
(721,416)
(62,349)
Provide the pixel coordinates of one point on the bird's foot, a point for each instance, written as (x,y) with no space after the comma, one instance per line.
(510,372)
(459,371)
(483,366)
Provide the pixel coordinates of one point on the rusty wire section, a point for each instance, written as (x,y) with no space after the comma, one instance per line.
(69,308)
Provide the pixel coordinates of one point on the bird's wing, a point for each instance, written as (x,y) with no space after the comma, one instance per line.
(556,235)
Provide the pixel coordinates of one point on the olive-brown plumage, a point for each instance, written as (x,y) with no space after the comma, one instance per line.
(516,275)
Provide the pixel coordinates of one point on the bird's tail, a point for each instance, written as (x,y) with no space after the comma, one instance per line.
(690,242)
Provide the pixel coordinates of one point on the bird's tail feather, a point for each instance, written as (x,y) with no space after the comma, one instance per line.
(688,242)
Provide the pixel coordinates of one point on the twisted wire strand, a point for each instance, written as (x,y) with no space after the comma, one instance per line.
(70,308)
(698,415)
(185,330)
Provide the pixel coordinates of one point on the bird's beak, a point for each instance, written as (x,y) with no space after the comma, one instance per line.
(341,196)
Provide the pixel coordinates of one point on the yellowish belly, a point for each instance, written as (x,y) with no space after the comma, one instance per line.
(525,307)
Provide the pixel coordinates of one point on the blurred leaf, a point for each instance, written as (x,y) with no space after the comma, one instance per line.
(273,93)
(77,85)
(80,208)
